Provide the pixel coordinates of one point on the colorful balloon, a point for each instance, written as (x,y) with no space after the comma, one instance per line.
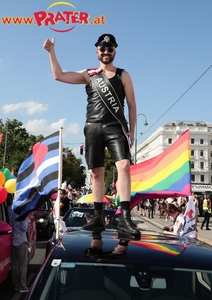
(2,178)
(3,194)
(6,172)
(10,185)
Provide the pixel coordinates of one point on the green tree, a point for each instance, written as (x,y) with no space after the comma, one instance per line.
(73,171)
(16,144)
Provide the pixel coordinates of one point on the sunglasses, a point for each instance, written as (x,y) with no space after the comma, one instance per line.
(103,49)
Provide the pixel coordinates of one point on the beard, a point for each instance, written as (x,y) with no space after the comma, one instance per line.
(106,59)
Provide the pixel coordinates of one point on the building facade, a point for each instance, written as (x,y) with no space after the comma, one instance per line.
(201,149)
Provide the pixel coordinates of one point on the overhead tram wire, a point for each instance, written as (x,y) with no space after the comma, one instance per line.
(178,99)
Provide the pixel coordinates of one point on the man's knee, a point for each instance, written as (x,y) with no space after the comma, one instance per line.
(123,165)
(97,173)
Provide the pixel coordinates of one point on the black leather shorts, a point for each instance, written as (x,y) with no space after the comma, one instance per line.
(98,136)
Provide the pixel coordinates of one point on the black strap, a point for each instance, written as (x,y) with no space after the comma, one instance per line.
(109,97)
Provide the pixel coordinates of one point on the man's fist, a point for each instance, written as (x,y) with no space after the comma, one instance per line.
(49,45)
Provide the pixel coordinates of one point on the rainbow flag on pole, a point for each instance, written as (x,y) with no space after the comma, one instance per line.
(165,175)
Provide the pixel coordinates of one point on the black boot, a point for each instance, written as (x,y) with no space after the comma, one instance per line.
(126,226)
(98,222)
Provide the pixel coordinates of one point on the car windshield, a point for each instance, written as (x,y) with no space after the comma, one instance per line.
(44,206)
(77,218)
(81,280)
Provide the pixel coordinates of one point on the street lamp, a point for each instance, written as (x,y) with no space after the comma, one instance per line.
(136,129)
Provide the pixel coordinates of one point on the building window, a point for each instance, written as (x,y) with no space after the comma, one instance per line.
(201,141)
(192,153)
(192,165)
(211,142)
(211,153)
(169,141)
(193,177)
(202,178)
(192,141)
(201,153)
(201,165)
(211,166)
(211,179)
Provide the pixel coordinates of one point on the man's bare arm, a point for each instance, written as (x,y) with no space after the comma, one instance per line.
(130,96)
(77,77)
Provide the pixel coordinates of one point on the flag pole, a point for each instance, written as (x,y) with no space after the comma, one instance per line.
(59,182)
(5,145)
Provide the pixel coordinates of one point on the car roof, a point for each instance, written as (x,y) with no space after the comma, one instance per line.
(152,248)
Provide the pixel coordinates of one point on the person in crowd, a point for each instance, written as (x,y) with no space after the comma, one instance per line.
(64,202)
(74,200)
(70,196)
(19,253)
(201,204)
(106,88)
(143,207)
(162,207)
(196,205)
(206,207)
(155,206)
(177,214)
(151,203)
(175,202)
(183,203)
(168,201)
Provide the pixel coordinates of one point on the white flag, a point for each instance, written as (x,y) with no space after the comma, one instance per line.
(189,228)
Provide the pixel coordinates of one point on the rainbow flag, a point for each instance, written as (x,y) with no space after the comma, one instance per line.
(165,175)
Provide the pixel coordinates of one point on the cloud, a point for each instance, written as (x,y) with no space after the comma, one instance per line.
(29,107)
(41,126)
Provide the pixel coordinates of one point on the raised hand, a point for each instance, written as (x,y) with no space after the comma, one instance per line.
(49,45)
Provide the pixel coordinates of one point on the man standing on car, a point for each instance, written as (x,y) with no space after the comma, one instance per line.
(106,88)
(19,253)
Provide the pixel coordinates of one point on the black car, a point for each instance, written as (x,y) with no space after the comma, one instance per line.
(83,265)
(44,219)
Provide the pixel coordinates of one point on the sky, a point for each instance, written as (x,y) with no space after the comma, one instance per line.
(165,45)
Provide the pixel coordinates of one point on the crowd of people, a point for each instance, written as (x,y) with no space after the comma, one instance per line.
(69,197)
(171,208)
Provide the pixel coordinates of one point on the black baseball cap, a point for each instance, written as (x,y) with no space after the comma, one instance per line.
(107,40)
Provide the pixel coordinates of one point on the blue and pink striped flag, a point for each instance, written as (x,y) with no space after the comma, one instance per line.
(38,176)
